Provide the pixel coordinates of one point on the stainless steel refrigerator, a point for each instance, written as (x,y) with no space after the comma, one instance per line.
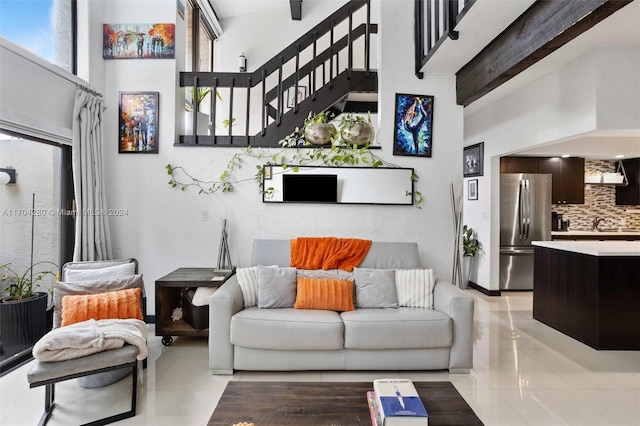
(525,216)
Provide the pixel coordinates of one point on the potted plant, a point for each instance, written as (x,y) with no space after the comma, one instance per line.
(194,100)
(23,310)
(318,130)
(471,247)
(356,130)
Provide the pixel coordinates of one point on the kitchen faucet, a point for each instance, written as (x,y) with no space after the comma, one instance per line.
(597,221)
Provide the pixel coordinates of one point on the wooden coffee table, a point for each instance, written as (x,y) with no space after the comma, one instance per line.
(327,403)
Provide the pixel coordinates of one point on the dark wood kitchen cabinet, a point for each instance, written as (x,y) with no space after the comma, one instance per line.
(567,175)
(519,165)
(630,195)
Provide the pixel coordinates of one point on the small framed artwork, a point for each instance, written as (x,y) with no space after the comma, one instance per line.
(473,160)
(138,123)
(138,41)
(302,94)
(472,189)
(267,172)
(413,125)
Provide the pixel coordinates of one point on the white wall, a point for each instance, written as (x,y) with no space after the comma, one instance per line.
(618,88)
(597,91)
(164,228)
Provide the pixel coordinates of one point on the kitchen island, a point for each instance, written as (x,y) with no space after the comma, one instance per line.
(589,290)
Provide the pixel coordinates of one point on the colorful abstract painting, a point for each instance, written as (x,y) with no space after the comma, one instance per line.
(413,125)
(138,131)
(138,41)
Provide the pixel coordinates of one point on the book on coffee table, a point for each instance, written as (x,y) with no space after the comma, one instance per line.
(399,403)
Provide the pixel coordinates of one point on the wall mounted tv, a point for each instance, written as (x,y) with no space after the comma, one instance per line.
(312,188)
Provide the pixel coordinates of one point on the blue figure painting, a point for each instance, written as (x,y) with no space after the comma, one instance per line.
(413,124)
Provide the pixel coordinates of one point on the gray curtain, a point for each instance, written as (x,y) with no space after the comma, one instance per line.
(92,239)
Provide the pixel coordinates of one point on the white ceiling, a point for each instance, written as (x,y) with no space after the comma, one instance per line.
(229,8)
(620,29)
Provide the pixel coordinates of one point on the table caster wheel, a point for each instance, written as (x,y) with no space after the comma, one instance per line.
(167,340)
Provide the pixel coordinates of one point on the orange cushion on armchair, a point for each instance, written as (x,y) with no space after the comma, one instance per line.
(121,304)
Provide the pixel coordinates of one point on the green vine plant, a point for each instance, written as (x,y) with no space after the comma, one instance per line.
(293,153)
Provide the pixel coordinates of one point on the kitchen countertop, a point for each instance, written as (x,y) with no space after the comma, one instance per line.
(594,233)
(594,248)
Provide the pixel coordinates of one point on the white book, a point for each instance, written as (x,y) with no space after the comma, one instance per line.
(399,403)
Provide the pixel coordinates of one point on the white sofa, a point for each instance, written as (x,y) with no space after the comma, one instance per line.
(291,339)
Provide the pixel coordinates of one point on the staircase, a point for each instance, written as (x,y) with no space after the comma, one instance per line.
(329,65)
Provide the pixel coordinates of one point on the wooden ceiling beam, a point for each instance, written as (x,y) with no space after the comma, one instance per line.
(546,26)
(296,9)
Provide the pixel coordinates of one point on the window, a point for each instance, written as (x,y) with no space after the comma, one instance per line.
(39,200)
(44,27)
(200,37)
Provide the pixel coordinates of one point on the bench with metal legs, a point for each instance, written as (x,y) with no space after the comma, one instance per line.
(49,373)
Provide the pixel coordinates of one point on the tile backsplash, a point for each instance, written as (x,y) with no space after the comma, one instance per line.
(599,200)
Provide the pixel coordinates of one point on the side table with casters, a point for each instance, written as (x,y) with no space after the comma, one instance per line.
(169,291)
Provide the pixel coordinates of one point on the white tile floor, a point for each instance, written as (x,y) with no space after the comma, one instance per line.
(525,373)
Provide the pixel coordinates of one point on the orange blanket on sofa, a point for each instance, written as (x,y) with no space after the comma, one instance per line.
(328,253)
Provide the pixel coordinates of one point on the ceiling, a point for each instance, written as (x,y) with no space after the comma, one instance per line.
(230,8)
(620,29)
(483,22)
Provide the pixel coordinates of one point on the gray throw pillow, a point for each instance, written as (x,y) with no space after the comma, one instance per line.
(375,288)
(276,287)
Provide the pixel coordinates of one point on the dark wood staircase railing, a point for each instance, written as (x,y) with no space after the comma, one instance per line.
(435,21)
(329,75)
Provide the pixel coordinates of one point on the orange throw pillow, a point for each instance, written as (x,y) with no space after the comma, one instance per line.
(121,304)
(325,294)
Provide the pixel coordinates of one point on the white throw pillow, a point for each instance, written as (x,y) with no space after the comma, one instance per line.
(415,287)
(107,273)
(202,295)
(248,280)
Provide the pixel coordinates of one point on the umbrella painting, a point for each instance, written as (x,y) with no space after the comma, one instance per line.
(138,41)
(138,127)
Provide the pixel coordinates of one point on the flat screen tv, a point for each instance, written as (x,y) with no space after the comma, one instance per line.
(310,188)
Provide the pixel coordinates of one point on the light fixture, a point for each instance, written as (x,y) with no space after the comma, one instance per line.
(7,176)
(566,155)
(242,62)
(619,156)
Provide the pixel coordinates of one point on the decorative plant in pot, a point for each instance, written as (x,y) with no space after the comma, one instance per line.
(195,99)
(23,310)
(318,130)
(356,130)
(471,247)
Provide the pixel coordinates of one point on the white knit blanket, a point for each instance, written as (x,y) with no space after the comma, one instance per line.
(90,337)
